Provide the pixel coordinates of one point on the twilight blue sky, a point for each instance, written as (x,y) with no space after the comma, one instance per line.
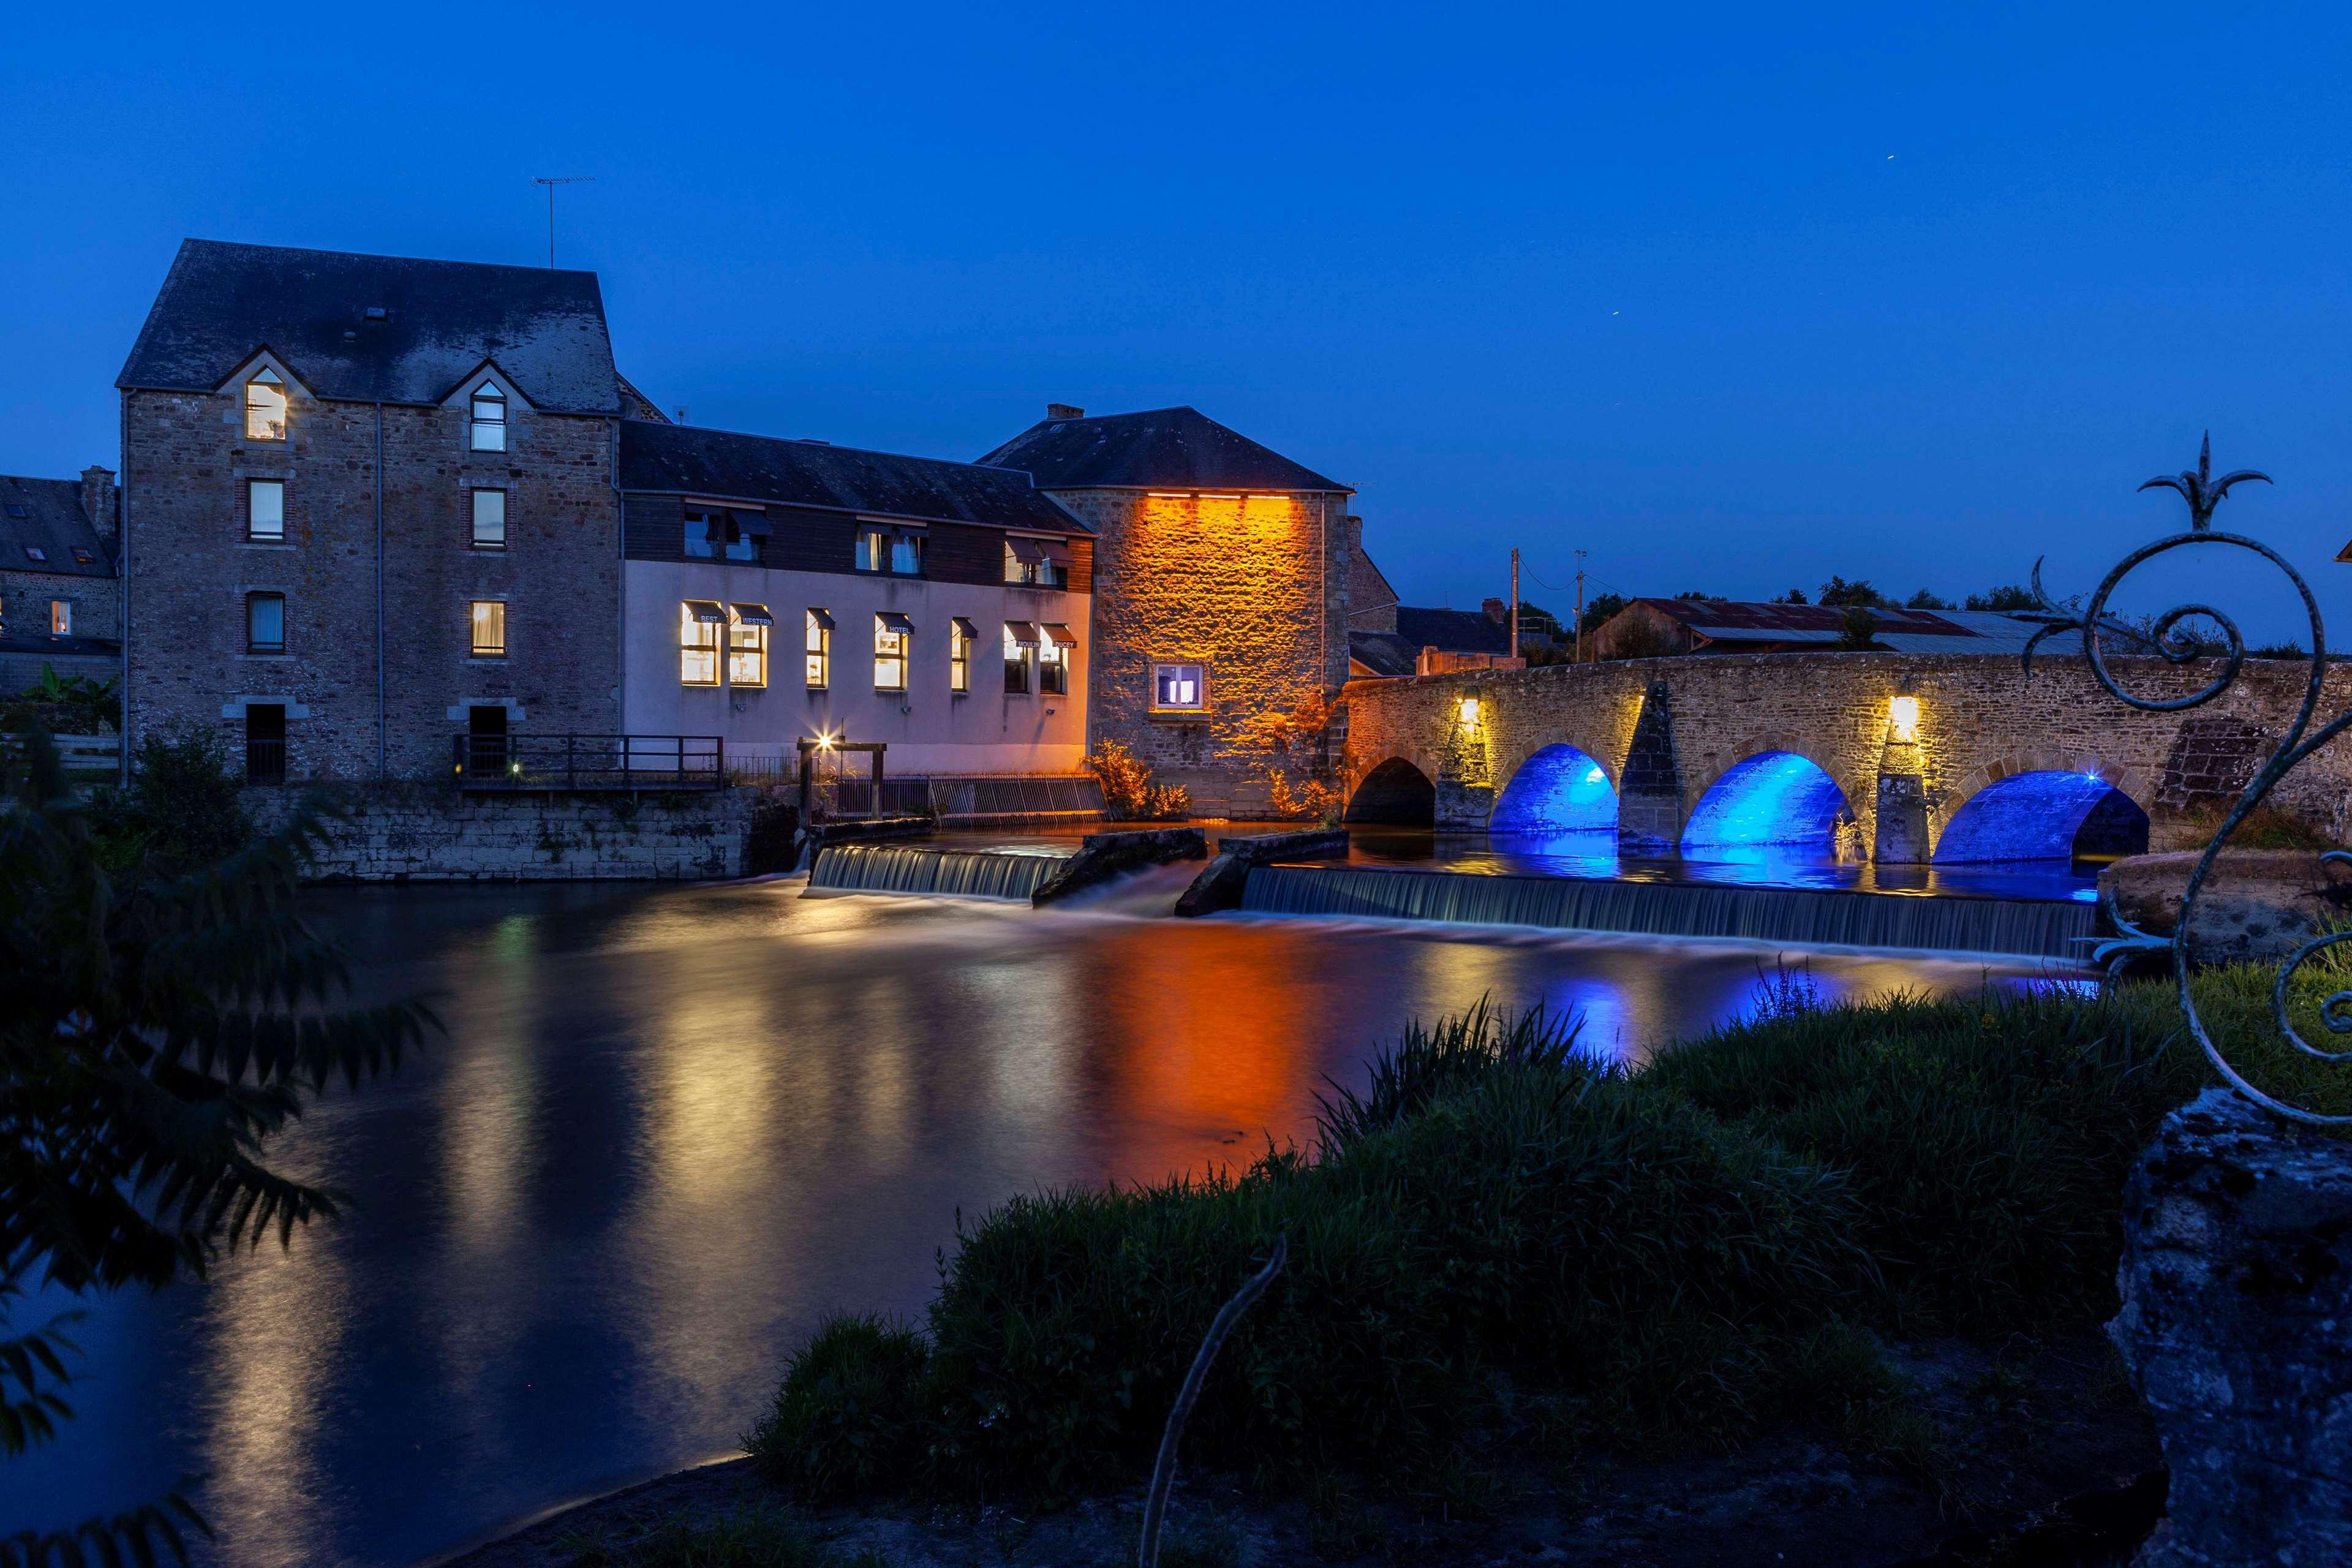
(1730,298)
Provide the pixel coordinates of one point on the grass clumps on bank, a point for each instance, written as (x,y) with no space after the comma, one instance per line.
(1495,1237)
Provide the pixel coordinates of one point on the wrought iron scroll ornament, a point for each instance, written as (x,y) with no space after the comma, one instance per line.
(2204,492)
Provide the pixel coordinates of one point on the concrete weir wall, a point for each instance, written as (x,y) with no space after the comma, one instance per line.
(397,832)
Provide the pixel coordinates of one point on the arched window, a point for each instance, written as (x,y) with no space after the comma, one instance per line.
(265,408)
(489,419)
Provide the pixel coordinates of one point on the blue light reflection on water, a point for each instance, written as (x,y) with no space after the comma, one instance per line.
(1778,798)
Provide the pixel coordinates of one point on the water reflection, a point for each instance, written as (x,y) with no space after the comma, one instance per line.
(672,1127)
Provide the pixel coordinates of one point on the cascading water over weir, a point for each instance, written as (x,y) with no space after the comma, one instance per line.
(947,873)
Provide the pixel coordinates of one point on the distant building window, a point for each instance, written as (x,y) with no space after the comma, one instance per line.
(1037,563)
(265,623)
(490,520)
(891,631)
(265,510)
(699,621)
(265,408)
(84,557)
(746,644)
(888,550)
(489,619)
(961,635)
(489,425)
(61,617)
(1020,653)
(820,650)
(1054,660)
(35,553)
(1178,686)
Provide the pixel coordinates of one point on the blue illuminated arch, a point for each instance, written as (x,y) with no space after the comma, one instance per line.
(1559,790)
(2049,815)
(1779,798)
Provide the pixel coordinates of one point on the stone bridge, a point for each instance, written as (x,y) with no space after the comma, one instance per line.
(1902,758)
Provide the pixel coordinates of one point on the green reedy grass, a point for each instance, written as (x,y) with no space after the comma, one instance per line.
(1677,1256)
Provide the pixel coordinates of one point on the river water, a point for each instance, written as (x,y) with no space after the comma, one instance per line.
(669,1128)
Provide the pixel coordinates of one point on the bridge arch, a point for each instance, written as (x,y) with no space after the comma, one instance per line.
(1394,791)
(1774,796)
(1558,788)
(2044,805)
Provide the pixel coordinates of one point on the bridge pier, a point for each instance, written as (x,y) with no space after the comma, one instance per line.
(1650,790)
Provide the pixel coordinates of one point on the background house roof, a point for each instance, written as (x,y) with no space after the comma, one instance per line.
(722,464)
(1723,623)
(1384,653)
(53,523)
(221,302)
(1162,449)
(1452,631)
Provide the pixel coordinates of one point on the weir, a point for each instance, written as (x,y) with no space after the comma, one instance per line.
(953,873)
(1799,916)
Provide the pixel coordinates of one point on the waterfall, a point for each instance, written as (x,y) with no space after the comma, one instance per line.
(959,873)
(1799,916)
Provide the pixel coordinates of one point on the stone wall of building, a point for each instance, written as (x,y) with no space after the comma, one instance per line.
(1253,589)
(1981,720)
(401,832)
(189,567)
(25,597)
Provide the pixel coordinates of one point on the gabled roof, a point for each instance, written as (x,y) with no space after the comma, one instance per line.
(688,459)
(54,524)
(222,303)
(1452,631)
(1384,653)
(1163,449)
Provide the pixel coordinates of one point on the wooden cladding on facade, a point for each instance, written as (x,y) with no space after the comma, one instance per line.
(805,540)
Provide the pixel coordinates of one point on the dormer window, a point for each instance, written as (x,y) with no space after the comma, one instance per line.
(489,421)
(265,408)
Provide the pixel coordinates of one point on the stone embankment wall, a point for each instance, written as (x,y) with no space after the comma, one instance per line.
(400,832)
(1981,720)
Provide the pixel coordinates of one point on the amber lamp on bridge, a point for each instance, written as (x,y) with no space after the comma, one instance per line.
(1469,710)
(1903,715)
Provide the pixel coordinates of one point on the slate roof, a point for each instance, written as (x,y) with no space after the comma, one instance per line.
(1726,624)
(1384,653)
(53,523)
(1162,449)
(1452,631)
(221,302)
(688,459)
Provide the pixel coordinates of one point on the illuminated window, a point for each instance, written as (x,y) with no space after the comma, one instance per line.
(1054,659)
(489,425)
(60,618)
(961,635)
(265,408)
(1036,563)
(907,554)
(873,549)
(265,623)
(1020,654)
(1182,687)
(84,557)
(891,632)
(490,628)
(820,650)
(490,520)
(265,510)
(699,621)
(885,550)
(746,644)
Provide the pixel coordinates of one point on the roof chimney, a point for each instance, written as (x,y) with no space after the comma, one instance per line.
(1496,609)
(1064,411)
(98,500)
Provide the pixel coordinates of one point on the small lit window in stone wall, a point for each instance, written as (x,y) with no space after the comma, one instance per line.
(746,644)
(60,618)
(699,621)
(820,649)
(490,520)
(1179,687)
(489,620)
(892,631)
(488,427)
(265,408)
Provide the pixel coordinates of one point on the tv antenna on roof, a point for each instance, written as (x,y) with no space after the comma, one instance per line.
(550,182)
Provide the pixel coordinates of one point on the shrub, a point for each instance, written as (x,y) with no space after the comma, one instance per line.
(1128,793)
(181,809)
(846,1417)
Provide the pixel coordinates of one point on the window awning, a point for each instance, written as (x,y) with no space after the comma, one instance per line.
(706,610)
(892,621)
(753,523)
(1055,551)
(1028,551)
(1021,632)
(754,615)
(824,619)
(1060,635)
(965,628)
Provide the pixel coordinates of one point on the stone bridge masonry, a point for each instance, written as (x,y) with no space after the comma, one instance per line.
(1665,729)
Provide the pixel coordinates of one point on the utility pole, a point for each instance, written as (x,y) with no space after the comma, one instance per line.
(1579,607)
(1515,601)
(550,182)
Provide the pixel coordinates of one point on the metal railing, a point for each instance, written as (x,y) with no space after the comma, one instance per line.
(265,760)
(588,762)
